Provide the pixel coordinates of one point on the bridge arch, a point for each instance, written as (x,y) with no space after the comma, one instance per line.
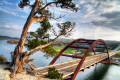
(92,45)
(85,55)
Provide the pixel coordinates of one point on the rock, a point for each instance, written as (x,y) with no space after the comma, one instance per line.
(5,74)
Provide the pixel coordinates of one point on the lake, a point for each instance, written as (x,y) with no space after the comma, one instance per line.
(97,72)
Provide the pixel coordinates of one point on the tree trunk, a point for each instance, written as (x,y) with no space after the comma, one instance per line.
(17,57)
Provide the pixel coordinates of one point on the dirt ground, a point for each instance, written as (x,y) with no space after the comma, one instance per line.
(5,75)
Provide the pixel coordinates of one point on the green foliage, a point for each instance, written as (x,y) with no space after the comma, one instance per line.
(66,27)
(82,54)
(3,59)
(33,43)
(68,51)
(50,50)
(41,36)
(41,32)
(113,46)
(117,55)
(45,25)
(90,54)
(54,74)
(67,4)
(23,3)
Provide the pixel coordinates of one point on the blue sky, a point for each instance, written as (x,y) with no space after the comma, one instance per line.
(96,19)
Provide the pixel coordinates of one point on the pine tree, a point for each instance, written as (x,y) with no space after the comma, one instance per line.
(40,39)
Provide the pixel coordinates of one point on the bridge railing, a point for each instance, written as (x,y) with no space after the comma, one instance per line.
(92,45)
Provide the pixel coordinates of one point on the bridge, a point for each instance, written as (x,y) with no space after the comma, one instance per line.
(71,68)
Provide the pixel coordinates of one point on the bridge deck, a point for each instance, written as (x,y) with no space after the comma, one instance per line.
(68,68)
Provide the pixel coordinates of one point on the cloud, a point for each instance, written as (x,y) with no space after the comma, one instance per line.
(11,29)
(8,12)
(109,5)
(97,16)
(102,13)
(4,2)
(93,18)
(12,33)
(12,13)
(95,33)
(10,26)
(111,15)
(112,20)
(106,34)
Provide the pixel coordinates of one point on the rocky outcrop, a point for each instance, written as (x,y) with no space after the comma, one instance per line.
(5,74)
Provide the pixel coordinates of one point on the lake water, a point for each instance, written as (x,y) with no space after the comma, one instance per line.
(96,72)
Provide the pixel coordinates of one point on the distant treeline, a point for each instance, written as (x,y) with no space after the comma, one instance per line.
(111,44)
(7,37)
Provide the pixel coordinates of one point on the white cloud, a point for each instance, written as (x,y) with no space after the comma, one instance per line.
(12,13)
(91,10)
(82,1)
(11,29)
(23,16)
(4,2)
(109,6)
(9,12)
(95,33)
(106,34)
(11,26)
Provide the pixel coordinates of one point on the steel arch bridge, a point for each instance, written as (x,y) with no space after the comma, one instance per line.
(71,68)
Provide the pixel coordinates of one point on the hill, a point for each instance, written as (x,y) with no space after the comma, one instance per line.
(8,37)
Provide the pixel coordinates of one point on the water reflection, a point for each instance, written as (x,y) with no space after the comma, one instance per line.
(99,72)
(96,72)
(6,48)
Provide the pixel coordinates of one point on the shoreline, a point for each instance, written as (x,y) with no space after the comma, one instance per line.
(13,41)
(113,61)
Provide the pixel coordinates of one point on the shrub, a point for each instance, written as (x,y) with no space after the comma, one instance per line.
(3,59)
(54,74)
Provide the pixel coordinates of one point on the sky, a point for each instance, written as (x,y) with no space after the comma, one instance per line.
(95,19)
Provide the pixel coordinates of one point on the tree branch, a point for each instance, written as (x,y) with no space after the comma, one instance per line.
(28,61)
(54,32)
(36,18)
(53,3)
(32,51)
(56,17)
(46,6)
(49,4)
(31,66)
